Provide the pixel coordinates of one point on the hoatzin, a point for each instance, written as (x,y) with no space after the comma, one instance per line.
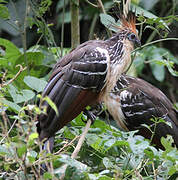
(84,75)
(133,102)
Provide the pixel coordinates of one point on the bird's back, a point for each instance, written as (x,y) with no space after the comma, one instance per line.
(139,101)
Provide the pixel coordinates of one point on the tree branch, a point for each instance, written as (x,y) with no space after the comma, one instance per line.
(75,25)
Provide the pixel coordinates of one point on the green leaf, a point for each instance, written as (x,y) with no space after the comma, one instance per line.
(141,11)
(68,134)
(107,163)
(139,62)
(53,105)
(167,142)
(4,14)
(47,175)
(20,96)
(147,14)
(60,4)
(3,150)
(21,150)
(32,156)
(50,54)
(11,53)
(158,71)
(148,5)
(67,18)
(11,104)
(32,59)
(35,83)
(109,22)
(74,163)
(33,136)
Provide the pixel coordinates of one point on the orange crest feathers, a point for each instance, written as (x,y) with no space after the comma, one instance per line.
(129,22)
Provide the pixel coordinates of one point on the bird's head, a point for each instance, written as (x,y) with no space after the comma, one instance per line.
(128,24)
(127,28)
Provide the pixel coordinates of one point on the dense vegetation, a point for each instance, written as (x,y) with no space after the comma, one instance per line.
(36,34)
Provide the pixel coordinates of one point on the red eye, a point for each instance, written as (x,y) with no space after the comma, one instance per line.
(132,36)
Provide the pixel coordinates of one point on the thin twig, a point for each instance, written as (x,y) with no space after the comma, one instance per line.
(8,131)
(78,147)
(66,145)
(154,171)
(35,171)
(81,140)
(3,77)
(62,29)
(92,26)
(5,119)
(94,5)
(18,73)
(24,35)
(138,175)
(101,6)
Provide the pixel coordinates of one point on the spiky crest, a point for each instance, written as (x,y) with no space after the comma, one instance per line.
(127,17)
(129,22)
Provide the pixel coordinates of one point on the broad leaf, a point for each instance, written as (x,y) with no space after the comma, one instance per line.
(31,59)
(109,22)
(4,14)
(11,104)
(35,83)
(20,96)
(11,53)
(158,71)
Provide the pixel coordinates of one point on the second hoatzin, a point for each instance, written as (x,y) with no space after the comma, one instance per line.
(84,75)
(133,102)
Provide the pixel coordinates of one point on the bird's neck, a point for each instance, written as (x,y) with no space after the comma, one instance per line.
(120,60)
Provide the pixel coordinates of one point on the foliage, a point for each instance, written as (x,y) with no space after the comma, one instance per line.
(107,152)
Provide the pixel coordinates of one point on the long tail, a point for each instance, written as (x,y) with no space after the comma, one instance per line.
(48,147)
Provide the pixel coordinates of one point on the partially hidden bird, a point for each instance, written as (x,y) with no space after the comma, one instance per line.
(134,102)
(84,75)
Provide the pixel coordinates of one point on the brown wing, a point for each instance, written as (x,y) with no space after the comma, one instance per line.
(141,101)
(74,85)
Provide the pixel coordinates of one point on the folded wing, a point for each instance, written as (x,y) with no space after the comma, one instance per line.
(75,83)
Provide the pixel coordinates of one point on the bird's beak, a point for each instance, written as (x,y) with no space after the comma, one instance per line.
(138,43)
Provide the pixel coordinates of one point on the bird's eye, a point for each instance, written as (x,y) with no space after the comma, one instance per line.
(131,37)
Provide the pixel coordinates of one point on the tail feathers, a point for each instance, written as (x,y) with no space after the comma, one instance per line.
(57,95)
(63,95)
(63,101)
(54,93)
(48,147)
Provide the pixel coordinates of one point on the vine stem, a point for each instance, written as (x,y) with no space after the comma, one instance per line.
(153,42)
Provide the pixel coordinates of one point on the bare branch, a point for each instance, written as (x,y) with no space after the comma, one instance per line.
(81,140)
(18,73)
(78,147)
(101,6)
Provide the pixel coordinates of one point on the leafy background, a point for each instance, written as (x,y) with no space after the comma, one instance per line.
(36,34)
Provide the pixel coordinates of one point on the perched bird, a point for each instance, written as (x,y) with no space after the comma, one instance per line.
(133,102)
(84,75)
